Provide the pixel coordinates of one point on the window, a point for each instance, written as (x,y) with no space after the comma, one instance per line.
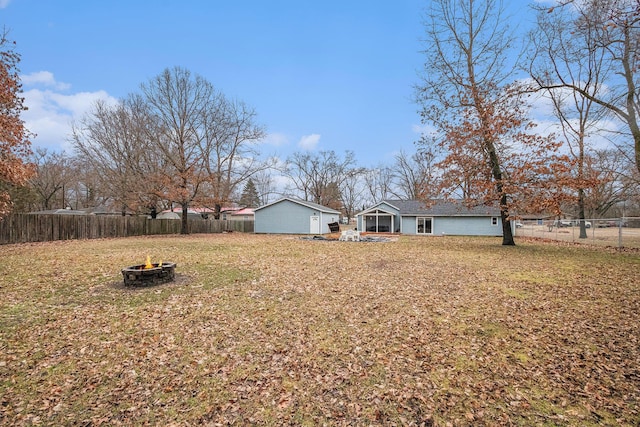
(425,225)
(494,220)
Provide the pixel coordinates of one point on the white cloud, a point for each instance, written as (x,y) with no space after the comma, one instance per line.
(51,112)
(276,139)
(44,78)
(309,142)
(4,3)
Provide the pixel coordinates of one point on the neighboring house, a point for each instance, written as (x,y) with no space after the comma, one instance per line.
(60,212)
(244,214)
(168,215)
(192,213)
(227,211)
(294,216)
(440,217)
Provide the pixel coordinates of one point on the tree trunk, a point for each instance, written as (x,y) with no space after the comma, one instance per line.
(496,171)
(583,224)
(507,231)
(185,219)
(629,70)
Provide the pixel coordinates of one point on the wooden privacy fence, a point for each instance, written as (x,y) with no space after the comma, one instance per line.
(21,228)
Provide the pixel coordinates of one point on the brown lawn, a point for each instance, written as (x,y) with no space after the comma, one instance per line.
(627,237)
(276,330)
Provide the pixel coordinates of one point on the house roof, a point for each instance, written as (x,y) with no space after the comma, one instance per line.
(168,215)
(379,209)
(60,212)
(243,211)
(191,210)
(439,207)
(311,205)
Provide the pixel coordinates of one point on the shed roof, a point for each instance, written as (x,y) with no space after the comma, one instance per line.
(308,204)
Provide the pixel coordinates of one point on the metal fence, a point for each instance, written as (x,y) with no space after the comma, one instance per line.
(613,232)
(22,228)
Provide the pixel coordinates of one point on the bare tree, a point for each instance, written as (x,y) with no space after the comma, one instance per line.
(610,30)
(53,173)
(265,184)
(178,141)
(230,152)
(559,54)
(378,184)
(413,175)
(113,141)
(468,93)
(86,189)
(612,186)
(618,182)
(352,192)
(318,176)
(180,104)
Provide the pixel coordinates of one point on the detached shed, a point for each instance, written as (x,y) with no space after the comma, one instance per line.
(294,216)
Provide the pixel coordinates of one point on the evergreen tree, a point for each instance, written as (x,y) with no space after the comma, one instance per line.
(250,197)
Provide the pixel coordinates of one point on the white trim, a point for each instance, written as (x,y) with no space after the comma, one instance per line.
(430,218)
(377,206)
(317,223)
(377,214)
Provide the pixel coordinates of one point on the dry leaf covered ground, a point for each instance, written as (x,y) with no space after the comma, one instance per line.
(276,330)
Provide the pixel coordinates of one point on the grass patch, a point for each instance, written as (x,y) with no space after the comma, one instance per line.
(274,330)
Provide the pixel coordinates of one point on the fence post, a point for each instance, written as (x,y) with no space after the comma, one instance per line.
(620,233)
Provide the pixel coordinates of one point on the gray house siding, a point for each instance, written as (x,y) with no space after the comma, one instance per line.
(467,226)
(452,226)
(444,217)
(290,217)
(409,225)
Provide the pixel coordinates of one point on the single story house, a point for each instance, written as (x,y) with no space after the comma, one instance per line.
(244,214)
(192,213)
(293,216)
(227,211)
(439,217)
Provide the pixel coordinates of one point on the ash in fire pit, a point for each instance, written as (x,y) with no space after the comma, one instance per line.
(149,274)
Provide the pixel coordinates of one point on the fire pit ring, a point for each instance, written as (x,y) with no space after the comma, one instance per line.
(139,275)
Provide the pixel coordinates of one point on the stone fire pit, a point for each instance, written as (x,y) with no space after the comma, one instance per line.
(143,275)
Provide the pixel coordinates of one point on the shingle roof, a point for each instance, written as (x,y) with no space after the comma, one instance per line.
(304,203)
(442,208)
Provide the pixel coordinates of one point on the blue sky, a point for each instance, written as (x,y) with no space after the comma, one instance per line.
(322,75)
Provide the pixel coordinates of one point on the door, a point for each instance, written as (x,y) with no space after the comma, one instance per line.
(425,225)
(315,225)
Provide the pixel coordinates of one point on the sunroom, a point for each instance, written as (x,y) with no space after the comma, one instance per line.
(378,221)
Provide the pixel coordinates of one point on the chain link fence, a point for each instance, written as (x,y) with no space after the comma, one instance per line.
(613,232)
